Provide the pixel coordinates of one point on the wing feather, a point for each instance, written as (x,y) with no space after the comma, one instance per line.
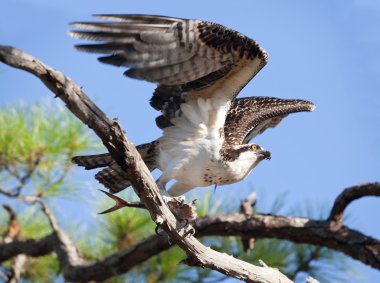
(188,59)
(251,116)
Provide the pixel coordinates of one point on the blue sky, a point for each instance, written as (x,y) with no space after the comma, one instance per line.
(326,51)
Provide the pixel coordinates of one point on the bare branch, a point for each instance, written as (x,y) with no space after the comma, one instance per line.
(246,208)
(14,228)
(304,265)
(295,229)
(68,254)
(33,162)
(49,215)
(17,269)
(30,247)
(126,155)
(348,196)
(120,203)
(12,234)
(8,194)
(299,230)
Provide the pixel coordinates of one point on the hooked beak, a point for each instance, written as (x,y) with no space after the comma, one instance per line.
(265,154)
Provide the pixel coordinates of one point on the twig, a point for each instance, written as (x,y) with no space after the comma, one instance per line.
(66,169)
(259,226)
(49,215)
(32,166)
(17,269)
(14,227)
(126,155)
(12,234)
(68,254)
(348,196)
(247,204)
(120,203)
(246,208)
(305,264)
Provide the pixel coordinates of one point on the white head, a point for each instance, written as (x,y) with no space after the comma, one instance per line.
(252,154)
(245,157)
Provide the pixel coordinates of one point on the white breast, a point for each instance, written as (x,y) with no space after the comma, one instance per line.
(194,142)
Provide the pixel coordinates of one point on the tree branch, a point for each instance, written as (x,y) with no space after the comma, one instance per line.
(259,226)
(246,208)
(14,228)
(12,233)
(33,162)
(348,196)
(126,156)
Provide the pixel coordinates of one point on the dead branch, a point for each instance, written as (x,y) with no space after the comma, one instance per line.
(67,252)
(14,228)
(348,196)
(33,162)
(12,234)
(120,203)
(17,269)
(246,208)
(126,155)
(259,226)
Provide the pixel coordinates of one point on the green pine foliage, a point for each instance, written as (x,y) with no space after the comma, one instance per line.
(36,145)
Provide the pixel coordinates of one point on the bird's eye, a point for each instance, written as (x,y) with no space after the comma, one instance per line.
(254,147)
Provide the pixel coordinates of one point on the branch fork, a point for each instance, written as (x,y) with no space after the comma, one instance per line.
(330,233)
(126,155)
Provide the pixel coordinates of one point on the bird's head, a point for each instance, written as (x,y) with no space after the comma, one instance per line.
(247,155)
(242,159)
(253,153)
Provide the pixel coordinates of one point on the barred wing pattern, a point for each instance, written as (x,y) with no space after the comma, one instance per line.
(199,68)
(251,116)
(186,58)
(112,175)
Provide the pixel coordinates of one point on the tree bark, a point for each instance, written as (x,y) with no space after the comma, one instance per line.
(330,233)
(127,157)
(258,226)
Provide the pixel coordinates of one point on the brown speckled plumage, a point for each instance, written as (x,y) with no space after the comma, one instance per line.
(196,65)
(112,176)
(251,116)
(183,56)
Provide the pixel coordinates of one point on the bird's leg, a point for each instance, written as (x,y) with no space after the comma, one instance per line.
(176,202)
(161,184)
(166,195)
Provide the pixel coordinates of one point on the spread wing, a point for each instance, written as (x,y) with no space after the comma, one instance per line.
(186,58)
(251,116)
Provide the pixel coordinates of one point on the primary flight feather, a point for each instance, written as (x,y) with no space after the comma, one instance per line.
(199,68)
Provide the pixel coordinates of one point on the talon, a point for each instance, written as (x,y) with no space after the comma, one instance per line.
(191,232)
(157,232)
(170,241)
(186,223)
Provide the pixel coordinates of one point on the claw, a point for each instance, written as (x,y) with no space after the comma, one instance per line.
(186,223)
(157,232)
(191,232)
(170,242)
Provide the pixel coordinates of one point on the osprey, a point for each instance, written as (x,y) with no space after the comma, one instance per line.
(199,67)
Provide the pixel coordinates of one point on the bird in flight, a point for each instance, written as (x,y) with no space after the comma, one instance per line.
(199,68)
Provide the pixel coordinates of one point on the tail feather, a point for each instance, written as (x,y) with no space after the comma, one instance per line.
(93,161)
(113,177)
